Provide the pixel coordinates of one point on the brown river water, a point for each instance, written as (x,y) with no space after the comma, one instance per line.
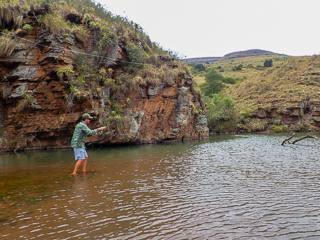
(227,187)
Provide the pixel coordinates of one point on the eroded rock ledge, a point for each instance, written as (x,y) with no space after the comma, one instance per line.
(39,110)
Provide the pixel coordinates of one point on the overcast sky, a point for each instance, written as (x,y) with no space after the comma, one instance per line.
(213,28)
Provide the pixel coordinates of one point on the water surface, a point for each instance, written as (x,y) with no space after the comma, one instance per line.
(228,187)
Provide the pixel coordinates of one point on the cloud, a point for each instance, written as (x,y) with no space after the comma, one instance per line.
(217,27)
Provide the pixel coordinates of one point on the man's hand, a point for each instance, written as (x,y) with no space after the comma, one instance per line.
(102,128)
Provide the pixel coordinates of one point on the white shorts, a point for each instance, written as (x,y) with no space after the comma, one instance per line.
(80,153)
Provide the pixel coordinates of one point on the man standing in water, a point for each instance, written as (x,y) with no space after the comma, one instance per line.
(81,132)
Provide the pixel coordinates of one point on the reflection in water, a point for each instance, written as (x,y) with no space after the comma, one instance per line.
(235,187)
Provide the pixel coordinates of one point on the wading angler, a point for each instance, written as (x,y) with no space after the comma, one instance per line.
(81,132)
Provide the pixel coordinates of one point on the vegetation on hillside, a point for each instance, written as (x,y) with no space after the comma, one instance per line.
(234,87)
(257,81)
(98,30)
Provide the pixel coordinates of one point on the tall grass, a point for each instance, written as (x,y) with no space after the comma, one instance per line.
(7,45)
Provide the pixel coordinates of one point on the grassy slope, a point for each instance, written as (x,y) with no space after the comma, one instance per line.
(289,79)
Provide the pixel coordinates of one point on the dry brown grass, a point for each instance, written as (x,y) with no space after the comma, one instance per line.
(7,45)
(290,78)
(10,13)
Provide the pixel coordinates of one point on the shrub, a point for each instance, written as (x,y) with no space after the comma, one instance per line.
(237,68)
(136,57)
(229,80)
(277,129)
(108,38)
(199,67)
(54,23)
(27,27)
(257,125)
(268,63)
(219,110)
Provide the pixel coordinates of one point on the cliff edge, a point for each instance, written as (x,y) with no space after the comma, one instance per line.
(52,76)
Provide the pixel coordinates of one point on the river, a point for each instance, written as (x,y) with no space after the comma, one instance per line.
(227,187)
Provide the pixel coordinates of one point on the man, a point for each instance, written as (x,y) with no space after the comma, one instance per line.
(81,132)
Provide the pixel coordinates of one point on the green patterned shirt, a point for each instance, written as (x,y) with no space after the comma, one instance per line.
(81,132)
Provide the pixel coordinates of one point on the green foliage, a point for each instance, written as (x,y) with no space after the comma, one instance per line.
(237,68)
(54,23)
(199,67)
(136,57)
(278,129)
(219,110)
(213,83)
(108,39)
(27,102)
(229,80)
(257,125)
(268,63)
(27,27)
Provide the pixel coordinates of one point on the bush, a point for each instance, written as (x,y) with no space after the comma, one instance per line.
(268,63)
(219,110)
(199,67)
(237,68)
(27,27)
(136,57)
(213,83)
(257,125)
(229,80)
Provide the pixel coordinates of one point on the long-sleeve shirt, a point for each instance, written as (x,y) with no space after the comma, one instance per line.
(81,132)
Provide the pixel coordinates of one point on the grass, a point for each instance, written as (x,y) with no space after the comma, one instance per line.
(7,46)
(290,78)
(289,81)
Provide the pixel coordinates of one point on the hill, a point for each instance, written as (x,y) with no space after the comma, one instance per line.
(284,97)
(239,54)
(248,53)
(201,60)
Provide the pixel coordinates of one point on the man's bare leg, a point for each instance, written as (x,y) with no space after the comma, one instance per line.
(78,164)
(84,165)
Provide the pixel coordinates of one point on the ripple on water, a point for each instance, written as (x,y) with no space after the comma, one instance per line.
(234,187)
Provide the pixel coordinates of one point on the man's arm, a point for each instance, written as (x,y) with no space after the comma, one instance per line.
(90,132)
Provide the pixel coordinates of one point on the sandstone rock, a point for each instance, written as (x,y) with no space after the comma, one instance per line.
(24,73)
(149,114)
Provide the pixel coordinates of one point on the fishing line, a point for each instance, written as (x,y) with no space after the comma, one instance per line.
(76,52)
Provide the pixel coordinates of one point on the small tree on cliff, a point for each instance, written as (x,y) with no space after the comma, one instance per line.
(213,83)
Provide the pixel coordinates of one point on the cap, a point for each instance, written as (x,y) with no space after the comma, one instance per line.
(86,116)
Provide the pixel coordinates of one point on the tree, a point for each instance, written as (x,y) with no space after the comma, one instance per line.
(200,67)
(268,63)
(213,83)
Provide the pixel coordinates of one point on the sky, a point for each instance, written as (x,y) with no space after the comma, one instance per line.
(213,28)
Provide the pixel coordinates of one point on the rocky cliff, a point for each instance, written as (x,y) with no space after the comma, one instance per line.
(50,79)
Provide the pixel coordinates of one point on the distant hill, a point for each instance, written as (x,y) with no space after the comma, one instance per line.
(201,60)
(249,53)
(239,54)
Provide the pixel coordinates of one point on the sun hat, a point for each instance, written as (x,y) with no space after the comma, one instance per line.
(86,116)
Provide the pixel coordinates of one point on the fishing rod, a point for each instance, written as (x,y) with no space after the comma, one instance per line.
(101,132)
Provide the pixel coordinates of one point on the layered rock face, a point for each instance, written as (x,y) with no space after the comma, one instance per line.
(39,106)
(296,115)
